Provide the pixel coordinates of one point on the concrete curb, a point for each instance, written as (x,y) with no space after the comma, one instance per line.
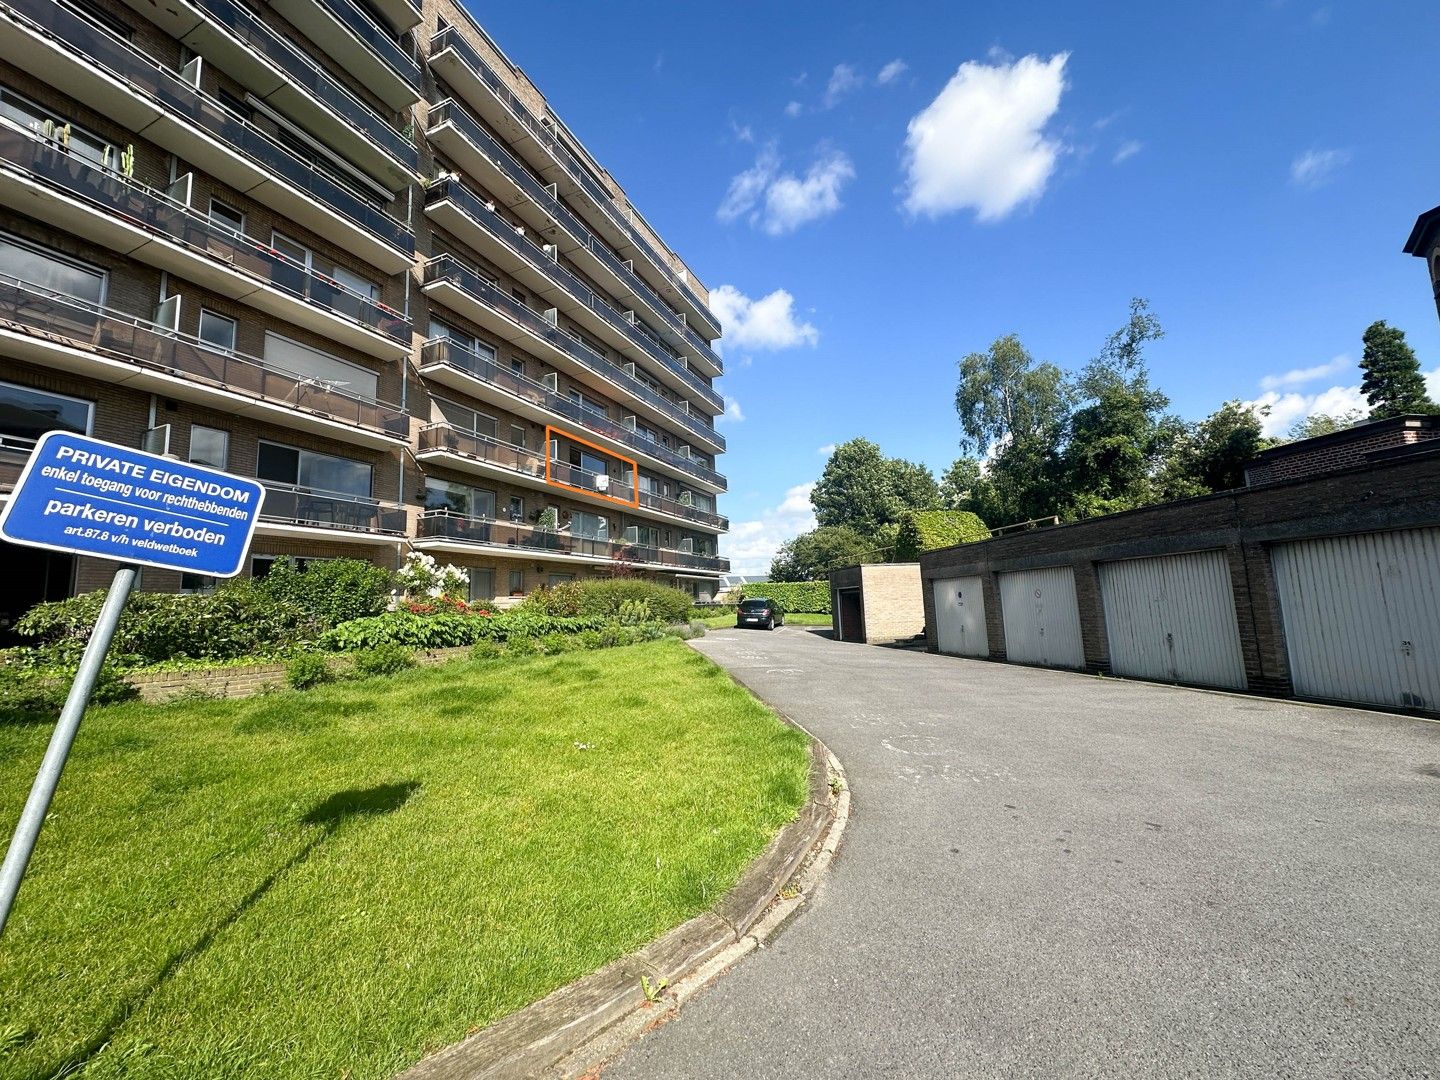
(584,1024)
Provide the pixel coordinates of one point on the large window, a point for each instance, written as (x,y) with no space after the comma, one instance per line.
(217,330)
(26,114)
(50,270)
(298,252)
(466,418)
(459,499)
(328,370)
(482,585)
(593,526)
(27,414)
(312,471)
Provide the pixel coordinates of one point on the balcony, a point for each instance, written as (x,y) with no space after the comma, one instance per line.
(233,38)
(112,77)
(459,210)
(462,370)
(472,452)
(62,333)
(72,193)
(369,52)
(344,517)
(463,68)
(454,532)
(458,287)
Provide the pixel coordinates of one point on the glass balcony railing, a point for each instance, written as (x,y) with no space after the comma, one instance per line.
(496,226)
(303,72)
(95,329)
(377,39)
(448,111)
(144,76)
(291,504)
(44,160)
(443,351)
(473,445)
(533,542)
(448,38)
(445,268)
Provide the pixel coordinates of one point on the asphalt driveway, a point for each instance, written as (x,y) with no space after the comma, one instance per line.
(1048,874)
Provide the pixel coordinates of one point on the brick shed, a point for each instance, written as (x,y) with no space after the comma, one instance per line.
(877,604)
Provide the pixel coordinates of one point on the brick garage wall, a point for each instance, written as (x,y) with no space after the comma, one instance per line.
(1244,524)
(1345,449)
(894,610)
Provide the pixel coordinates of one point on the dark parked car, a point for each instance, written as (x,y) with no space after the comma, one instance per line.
(758,611)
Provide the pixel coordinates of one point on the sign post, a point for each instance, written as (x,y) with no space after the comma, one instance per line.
(89,497)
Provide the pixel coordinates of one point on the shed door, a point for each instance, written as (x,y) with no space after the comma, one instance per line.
(852,625)
(960,617)
(1042,619)
(1362,617)
(1173,618)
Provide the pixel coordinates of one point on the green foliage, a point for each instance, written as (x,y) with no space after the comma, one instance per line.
(814,554)
(861,489)
(1210,456)
(308,670)
(489,650)
(524,646)
(926,530)
(1003,394)
(31,693)
(1392,383)
(555,644)
(588,639)
(634,612)
(383,660)
(959,482)
(615,635)
(604,598)
(328,591)
(449,630)
(809,596)
(1317,424)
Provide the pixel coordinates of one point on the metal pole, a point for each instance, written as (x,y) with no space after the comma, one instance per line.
(38,804)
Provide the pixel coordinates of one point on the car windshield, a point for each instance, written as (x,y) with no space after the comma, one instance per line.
(754,605)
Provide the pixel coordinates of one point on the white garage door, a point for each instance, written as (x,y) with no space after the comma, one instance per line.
(1173,618)
(1362,616)
(1042,620)
(960,616)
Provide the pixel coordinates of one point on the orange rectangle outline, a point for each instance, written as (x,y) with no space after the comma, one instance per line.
(551,431)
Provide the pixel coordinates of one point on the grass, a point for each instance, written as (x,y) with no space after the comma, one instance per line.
(794,618)
(332,884)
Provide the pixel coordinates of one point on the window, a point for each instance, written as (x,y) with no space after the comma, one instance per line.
(466,419)
(560,579)
(50,270)
(517,435)
(235,105)
(35,118)
(518,294)
(592,526)
(298,253)
(199,583)
(334,373)
(227,217)
(517,365)
(482,585)
(209,446)
(517,582)
(317,472)
(587,461)
(459,499)
(461,340)
(588,404)
(27,414)
(517,508)
(217,330)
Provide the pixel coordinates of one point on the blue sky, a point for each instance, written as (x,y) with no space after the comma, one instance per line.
(920,179)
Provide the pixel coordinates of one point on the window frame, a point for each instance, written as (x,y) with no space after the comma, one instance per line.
(88,403)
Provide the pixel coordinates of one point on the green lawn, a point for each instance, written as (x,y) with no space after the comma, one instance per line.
(795,618)
(332,884)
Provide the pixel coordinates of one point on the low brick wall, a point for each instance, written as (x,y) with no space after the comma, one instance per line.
(237,682)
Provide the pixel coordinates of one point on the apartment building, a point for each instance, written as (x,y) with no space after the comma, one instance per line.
(345,247)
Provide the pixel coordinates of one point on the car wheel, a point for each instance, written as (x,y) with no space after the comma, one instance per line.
(770,625)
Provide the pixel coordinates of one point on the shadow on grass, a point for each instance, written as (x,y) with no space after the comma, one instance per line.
(329,814)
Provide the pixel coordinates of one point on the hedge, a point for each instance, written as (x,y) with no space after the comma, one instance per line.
(812,597)
(926,530)
(448,630)
(606,596)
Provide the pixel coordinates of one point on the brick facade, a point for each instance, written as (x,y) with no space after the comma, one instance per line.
(1340,449)
(891,607)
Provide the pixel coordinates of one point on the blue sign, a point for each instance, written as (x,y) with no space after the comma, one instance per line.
(90,497)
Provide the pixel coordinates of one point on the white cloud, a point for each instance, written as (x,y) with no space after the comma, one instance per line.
(1316,167)
(891,71)
(732,413)
(794,109)
(981,144)
(1287,408)
(1301,376)
(780,202)
(767,323)
(1128,149)
(751,545)
(791,202)
(843,80)
(826,450)
(742,132)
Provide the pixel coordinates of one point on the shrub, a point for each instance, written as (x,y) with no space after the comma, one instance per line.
(383,660)
(651,631)
(697,628)
(422,576)
(615,635)
(588,639)
(29,693)
(555,644)
(446,630)
(802,596)
(926,530)
(485,651)
(521,646)
(328,592)
(606,596)
(633,612)
(308,670)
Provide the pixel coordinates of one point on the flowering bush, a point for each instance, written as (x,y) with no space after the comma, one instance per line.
(422,576)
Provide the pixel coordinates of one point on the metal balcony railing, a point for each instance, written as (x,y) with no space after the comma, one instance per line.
(45,160)
(117,336)
(303,72)
(376,38)
(450,111)
(145,77)
(291,504)
(536,542)
(486,218)
(447,269)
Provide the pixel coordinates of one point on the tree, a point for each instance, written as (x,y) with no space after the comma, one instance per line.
(813,554)
(959,481)
(1003,395)
(1392,384)
(1325,423)
(1210,456)
(864,490)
